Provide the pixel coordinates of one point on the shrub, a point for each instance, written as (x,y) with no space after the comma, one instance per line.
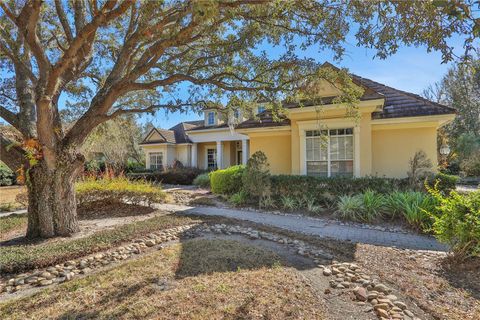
(471,165)
(444,182)
(420,168)
(412,207)
(118,189)
(239,198)
(349,207)
(7,176)
(457,222)
(183,176)
(256,176)
(326,190)
(226,181)
(202,180)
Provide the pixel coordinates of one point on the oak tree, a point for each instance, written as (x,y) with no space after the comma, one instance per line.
(116,57)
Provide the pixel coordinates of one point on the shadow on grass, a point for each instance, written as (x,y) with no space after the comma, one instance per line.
(100,210)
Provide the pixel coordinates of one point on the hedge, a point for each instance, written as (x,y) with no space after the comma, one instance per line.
(227,181)
(324,189)
(183,176)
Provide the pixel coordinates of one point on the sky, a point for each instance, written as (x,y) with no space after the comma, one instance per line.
(410,69)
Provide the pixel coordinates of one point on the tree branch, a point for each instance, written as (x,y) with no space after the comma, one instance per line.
(63,20)
(10,117)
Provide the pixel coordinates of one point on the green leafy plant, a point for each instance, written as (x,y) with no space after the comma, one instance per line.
(372,205)
(171,175)
(471,165)
(444,182)
(311,205)
(456,221)
(256,177)
(289,203)
(227,181)
(238,198)
(267,203)
(411,206)
(350,207)
(7,176)
(325,191)
(202,180)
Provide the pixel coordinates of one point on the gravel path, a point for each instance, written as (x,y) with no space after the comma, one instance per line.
(318,227)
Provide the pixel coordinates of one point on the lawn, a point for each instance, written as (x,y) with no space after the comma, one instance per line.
(12,222)
(8,198)
(26,256)
(197,279)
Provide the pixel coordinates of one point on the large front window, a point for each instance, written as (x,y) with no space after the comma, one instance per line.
(156,160)
(329,152)
(211,159)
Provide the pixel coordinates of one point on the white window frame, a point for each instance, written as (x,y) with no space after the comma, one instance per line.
(327,135)
(307,125)
(261,108)
(212,114)
(214,158)
(157,155)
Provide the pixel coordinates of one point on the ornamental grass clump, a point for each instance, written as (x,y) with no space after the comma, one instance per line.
(412,207)
(111,190)
(364,207)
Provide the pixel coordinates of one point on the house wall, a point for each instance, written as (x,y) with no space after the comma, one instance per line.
(150,149)
(334,118)
(277,147)
(393,148)
(184,154)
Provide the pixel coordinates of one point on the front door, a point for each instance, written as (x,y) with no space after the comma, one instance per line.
(239,156)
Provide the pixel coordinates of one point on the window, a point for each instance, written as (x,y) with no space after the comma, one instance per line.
(261,109)
(211,118)
(236,114)
(329,153)
(156,160)
(211,159)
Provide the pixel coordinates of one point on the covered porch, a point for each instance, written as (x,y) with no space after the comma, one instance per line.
(218,150)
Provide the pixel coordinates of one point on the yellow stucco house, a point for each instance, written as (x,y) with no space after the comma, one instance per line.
(311,139)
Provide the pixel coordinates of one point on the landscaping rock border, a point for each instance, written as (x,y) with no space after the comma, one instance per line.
(346,277)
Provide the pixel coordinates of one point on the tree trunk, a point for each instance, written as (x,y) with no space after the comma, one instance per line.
(52,209)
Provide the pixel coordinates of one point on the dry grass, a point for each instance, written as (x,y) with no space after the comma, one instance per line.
(240,283)
(7,198)
(445,292)
(24,256)
(12,223)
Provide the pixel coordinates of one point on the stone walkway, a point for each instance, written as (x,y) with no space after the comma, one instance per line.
(318,227)
(312,226)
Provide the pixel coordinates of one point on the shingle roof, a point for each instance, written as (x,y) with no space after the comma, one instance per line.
(264,119)
(399,104)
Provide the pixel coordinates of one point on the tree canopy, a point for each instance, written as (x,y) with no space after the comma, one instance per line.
(108,58)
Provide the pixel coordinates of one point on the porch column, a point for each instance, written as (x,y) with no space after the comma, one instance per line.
(356,151)
(194,155)
(219,155)
(245,151)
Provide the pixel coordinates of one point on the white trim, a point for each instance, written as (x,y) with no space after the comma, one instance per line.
(364,103)
(356,151)
(438,117)
(262,129)
(213,137)
(157,144)
(308,125)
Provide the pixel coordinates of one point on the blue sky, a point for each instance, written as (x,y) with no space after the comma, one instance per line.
(410,69)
